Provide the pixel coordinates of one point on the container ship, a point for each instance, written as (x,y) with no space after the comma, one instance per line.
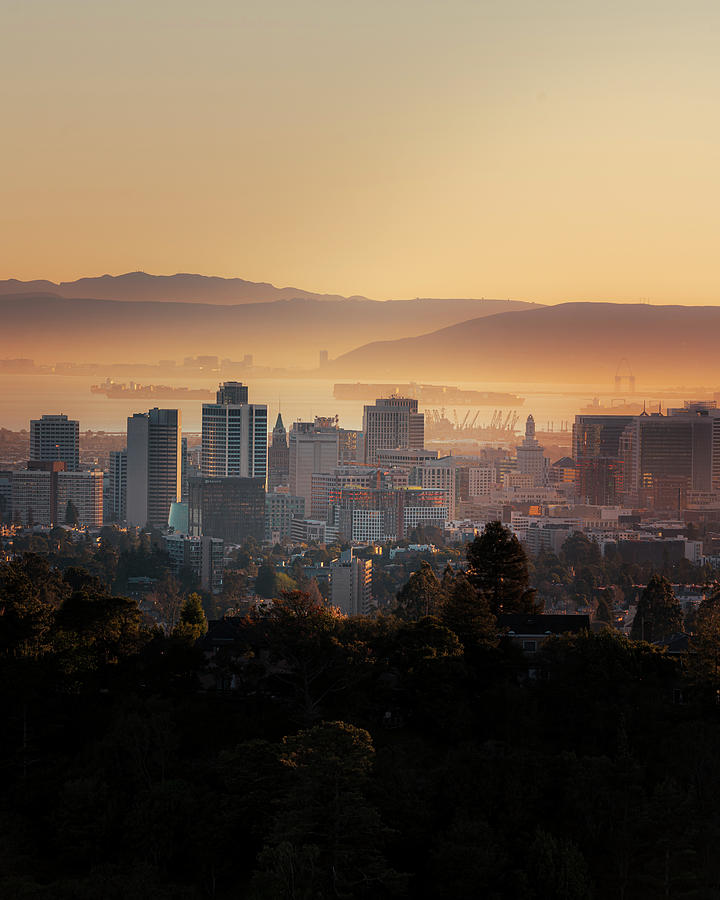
(426,394)
(114,390)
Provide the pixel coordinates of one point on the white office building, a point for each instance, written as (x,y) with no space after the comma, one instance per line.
(234,435)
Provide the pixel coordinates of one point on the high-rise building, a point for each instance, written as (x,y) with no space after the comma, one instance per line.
(6,496)
(599,469)
(56,438)
(313,449)
(531,459)
(154,466)
(664,455)
(45,492)
(391,423)
(234,435)
(351,584)
(229,508)
(84,490)
(118,485)
(278,457)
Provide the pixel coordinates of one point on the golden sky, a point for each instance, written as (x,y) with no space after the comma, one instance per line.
(392,148)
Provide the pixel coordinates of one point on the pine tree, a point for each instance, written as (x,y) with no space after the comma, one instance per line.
(422,595)
(72,516)
(658,612)
(498,569)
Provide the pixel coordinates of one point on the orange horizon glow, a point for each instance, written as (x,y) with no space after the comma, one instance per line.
(547,152)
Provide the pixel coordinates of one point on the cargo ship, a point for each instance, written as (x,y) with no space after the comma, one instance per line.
(426,394)
(115,390)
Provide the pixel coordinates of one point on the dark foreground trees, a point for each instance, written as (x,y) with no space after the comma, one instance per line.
(298,753)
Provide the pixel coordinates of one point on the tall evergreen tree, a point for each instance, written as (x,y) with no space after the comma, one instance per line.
(422,595)
(72,516)
(467,613)
(658,612)
(498,569)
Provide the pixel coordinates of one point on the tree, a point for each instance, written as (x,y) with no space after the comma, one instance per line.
(308,659)
(193,624)
(578,550)
(467,613)
(422,595)
(266,583)
(604,610)
(72,516)
(658,613)
(498,569)
(327,837)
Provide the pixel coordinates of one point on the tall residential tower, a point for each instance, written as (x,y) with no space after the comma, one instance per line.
(154,466)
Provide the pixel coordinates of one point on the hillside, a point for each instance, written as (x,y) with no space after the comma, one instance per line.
(49,328)
(569,342)
(179,288)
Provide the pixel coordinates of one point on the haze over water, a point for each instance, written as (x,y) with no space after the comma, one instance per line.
(23,397)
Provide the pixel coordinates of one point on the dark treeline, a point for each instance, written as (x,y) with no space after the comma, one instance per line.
(294,753)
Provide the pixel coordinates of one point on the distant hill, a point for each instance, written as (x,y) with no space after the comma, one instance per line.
(50,328)
(571,342)
(180,288)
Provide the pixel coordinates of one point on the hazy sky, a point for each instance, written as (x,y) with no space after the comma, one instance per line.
(548,151)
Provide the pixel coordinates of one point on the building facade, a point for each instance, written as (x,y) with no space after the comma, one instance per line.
(280,510)
(531,459)
(278,457)
(314,448)
(203,556)
(351,584)
(54,438)
(154,466)
(117,483)
(234,435)
(232,509)
(392,422)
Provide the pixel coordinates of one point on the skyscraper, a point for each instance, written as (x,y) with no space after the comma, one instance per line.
(392,422)
(56,438)
(599,469)
(118,485)
(675,452)
(530,456)
(314,448)
(154,466)
(234,435)
(278,457)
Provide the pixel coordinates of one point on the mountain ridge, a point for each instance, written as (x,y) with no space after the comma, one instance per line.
(181,287)
(285,332)
(565,341)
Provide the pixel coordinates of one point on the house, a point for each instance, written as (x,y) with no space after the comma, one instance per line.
(529,632)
